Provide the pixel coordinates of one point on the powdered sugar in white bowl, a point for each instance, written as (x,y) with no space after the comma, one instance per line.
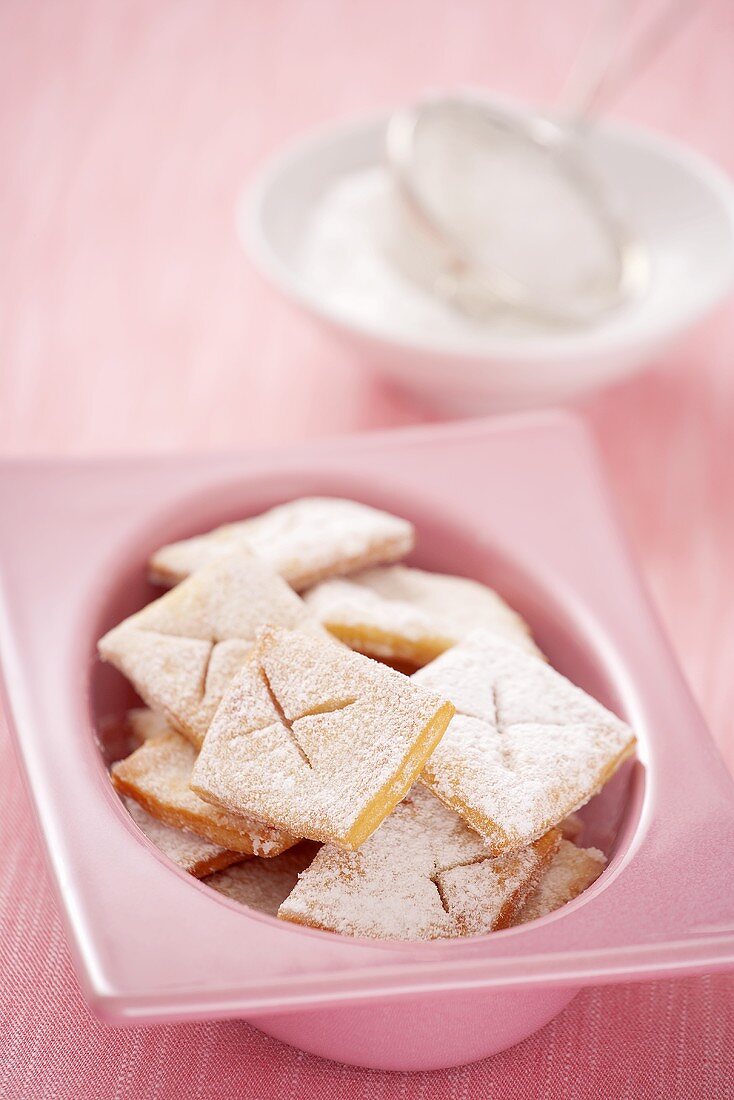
(312,225)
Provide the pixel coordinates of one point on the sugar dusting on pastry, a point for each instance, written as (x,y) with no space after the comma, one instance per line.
(317,740)
(526,746)
(410,614)
(182,650)
(304,541)
(423,875)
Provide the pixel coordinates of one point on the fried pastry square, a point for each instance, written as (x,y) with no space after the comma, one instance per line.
(569,873)
(411,616)
(192,853)
(182,650)
(317,740)
(424,875)
(264,883)
(526,747)
(304,541)
(157,776)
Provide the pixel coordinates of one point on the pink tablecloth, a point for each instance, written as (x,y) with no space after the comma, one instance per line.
(131,321)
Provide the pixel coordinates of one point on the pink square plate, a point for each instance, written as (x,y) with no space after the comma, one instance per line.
(517,503)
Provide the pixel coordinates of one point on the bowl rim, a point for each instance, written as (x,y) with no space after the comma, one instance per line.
(538,347)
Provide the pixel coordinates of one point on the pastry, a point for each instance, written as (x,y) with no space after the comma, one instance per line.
(409,615)
(182,650)
(304,541)
(423,875)
(157,776)
(264,883)
(302,778)
(192,853)
(317,740)
(526,747)
(569,873)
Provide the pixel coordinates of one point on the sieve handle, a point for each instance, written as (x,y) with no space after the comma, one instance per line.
(605,65)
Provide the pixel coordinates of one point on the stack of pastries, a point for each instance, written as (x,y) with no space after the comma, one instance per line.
(348,743)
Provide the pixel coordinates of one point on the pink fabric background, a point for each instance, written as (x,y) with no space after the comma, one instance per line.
(131,321)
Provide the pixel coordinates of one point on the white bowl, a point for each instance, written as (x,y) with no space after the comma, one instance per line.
(680,203)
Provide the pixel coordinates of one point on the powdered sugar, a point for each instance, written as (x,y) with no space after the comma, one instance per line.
(422,875)
(526,747)
(304,541)
(411,615)
(317,740)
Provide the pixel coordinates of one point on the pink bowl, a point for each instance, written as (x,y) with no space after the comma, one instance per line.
(517,503)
